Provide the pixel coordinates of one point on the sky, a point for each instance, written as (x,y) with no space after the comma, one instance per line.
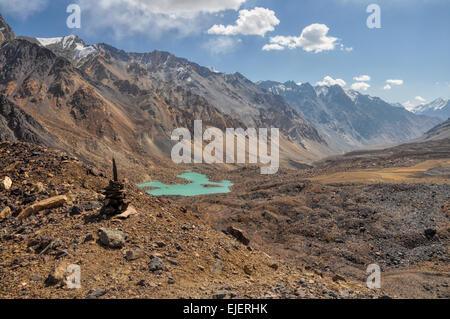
(406,59)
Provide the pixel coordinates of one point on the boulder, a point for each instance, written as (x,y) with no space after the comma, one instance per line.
(112,238)
(133,254)
(240,235)
(49,203)
(5,213)
(155,264)
(6,183)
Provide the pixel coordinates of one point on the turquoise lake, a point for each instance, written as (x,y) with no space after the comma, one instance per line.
(199,185)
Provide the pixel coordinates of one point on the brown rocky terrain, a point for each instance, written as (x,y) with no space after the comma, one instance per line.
(388,207)
(309,231)
(164,251)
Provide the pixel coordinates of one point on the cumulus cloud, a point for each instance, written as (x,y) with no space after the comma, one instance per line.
(273,47)
(362,78)
(360,86)
(329,81)
(420,99)
(22,8)
(387,87)
(395,82)
(151,17)
(314,38)
(257,21)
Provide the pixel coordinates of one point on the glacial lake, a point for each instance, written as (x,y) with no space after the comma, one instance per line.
(199,185)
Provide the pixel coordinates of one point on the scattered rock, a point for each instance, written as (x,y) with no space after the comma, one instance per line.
(240,235)
(61,254)
(88,238)
(156,264)
(5,213)
(134,254)
(337,278)
(160,244)
(75,210)
(50,203)
(112,238)
(178,247)
(6,183)
(170,281)
(274,266)
(35,278)
(93,171)
(38,187)
(248,270)
(218,267)
(220,295)
(94,294)
(430,233)
(173,262)
(57,275)
(129,212)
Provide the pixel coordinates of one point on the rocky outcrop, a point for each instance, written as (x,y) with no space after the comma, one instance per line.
(6,33)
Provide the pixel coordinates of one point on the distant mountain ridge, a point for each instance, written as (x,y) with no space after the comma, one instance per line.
(348,119)
(438,108)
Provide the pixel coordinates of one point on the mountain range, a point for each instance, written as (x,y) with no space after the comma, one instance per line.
(438,108)
(348,119)
(97,101)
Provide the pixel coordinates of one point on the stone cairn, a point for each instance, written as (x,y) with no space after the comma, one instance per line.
(115,199)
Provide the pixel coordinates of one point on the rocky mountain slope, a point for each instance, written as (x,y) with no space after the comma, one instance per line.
(155,253)
(348,119)
(442,131)
(97,101)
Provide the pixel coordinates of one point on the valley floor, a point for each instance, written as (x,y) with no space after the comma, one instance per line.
(312,232)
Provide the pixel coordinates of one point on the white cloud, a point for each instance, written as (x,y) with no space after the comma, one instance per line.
(257,21)
(314,38)
(360,86)
(387,87)
(420,99)
(395,82)
(222,45)
(409,106)
(22,8)
(362,78)
(151,17)
(329,81)
(273,47)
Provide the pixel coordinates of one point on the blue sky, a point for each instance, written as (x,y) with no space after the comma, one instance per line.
(412,44)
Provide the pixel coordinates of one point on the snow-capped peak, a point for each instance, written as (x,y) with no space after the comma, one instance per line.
(352,94)
(49,41)
(213,70)
(70,46)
